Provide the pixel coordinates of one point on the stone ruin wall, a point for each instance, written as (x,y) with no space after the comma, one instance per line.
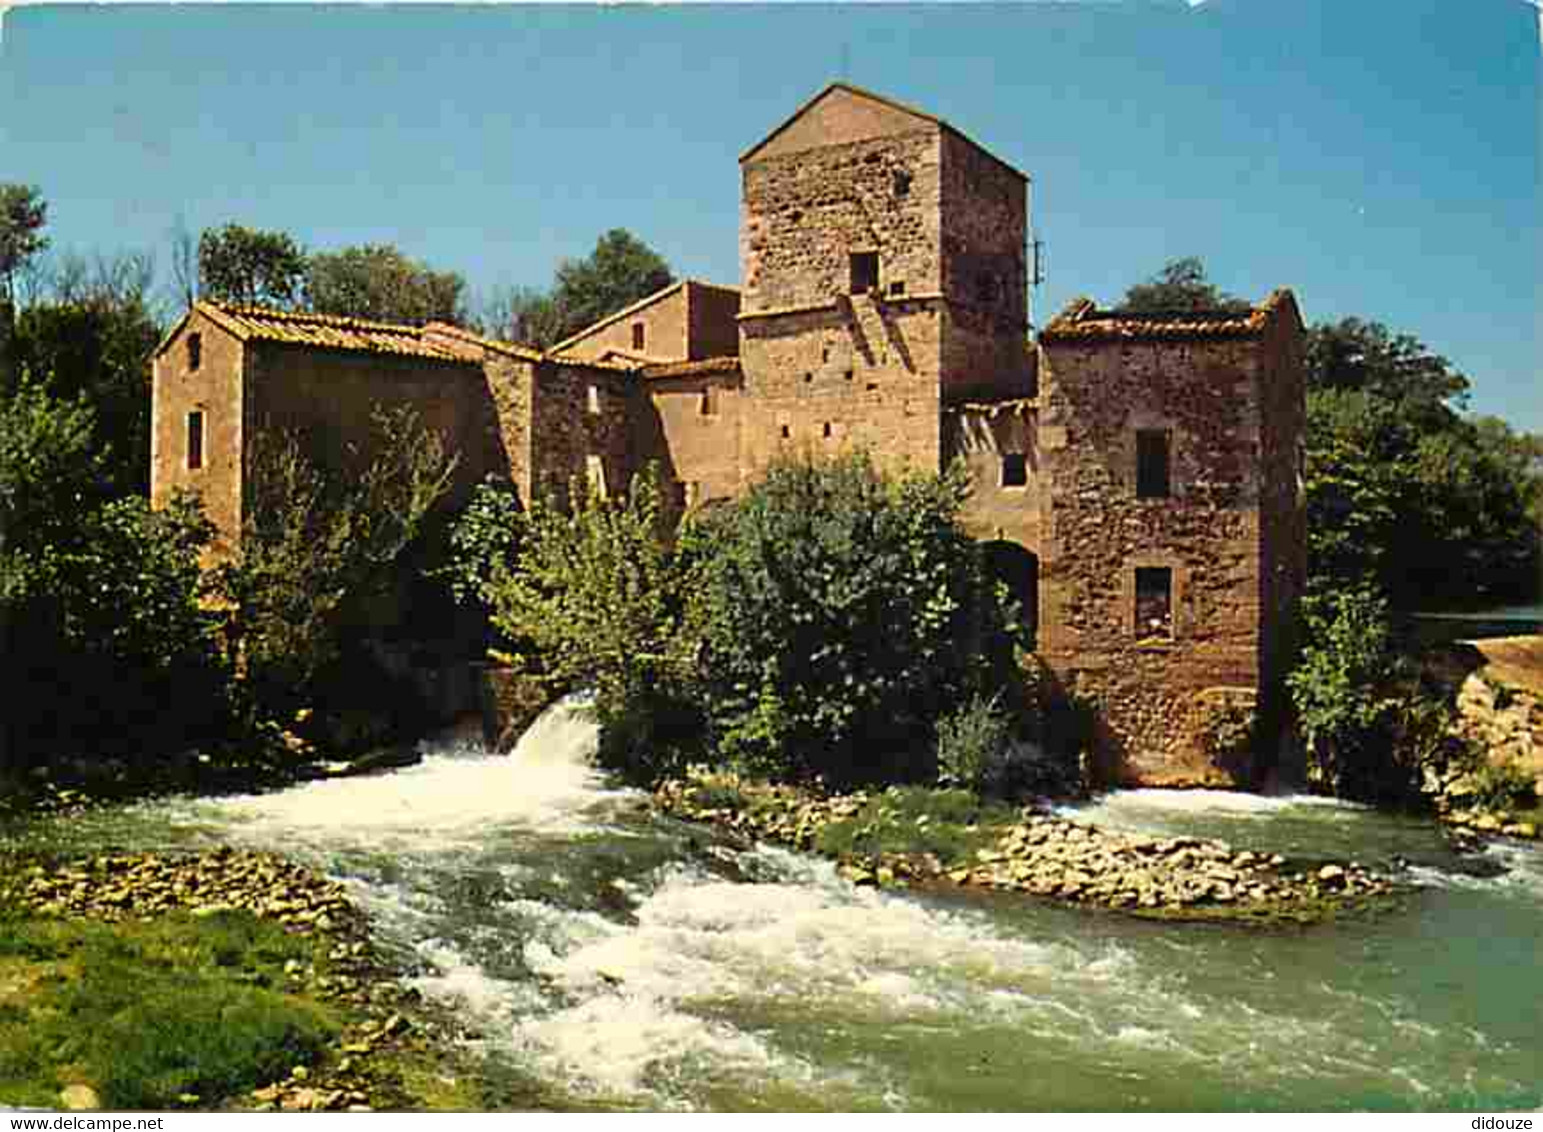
(570,427)
(826,369)
(690,427)
(983,232)
(981,435)
(217,389)
(1153,694)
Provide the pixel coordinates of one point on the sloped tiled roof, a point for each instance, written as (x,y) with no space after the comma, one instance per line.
(726,364)
(262,324)
(1084,321)
(633,308)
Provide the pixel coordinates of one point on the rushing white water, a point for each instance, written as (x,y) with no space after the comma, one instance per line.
(619,959)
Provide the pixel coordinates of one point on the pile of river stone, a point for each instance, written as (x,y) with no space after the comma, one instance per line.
(122,886)
(1049,856)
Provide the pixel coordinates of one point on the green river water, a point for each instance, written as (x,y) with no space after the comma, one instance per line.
(617,960)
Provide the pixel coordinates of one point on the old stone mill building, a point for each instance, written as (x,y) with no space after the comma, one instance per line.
(1137,476)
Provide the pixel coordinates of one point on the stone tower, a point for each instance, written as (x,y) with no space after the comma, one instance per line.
(882,263)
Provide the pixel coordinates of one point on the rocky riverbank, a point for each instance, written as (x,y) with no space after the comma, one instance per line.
(1043,855)
(387,1027)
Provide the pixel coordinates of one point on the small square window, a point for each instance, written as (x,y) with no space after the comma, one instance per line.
(897,288)
(195,351)
(787,431)
(1015,469)
(865,272)
(826,431)
(1153,464)
(1154,601)
(638,333)
(592,399)
(195,440)
(902,183)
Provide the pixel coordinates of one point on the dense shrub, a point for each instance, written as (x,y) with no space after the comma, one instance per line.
(591,595)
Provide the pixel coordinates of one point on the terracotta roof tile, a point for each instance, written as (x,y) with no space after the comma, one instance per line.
(329,332)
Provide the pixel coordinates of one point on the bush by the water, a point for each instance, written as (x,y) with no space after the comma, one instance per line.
(841,613)
(817,626)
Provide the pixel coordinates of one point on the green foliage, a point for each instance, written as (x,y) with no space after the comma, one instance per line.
(841,613)
(972,739)
(1496,787)
(98,347)
(23,213)
(377,281)
(250,266)
(950,824)
(1373,733)
(621,270)
(482,540)
(594,591)
(1180,286)
(147,1012)
(317,544)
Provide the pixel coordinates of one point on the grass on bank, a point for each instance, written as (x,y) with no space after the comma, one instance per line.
(172,1012)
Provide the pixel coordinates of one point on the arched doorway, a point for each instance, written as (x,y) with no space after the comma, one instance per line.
(1018,569)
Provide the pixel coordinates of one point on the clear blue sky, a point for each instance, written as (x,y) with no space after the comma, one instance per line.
(1381,157)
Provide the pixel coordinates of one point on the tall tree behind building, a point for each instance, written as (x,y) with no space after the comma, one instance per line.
(621,270)
(250,266)
(377,281)
(23,213)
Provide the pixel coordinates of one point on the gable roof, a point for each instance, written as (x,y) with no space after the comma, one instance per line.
(920,117)
(1082,320)
(642,304)
(329,332)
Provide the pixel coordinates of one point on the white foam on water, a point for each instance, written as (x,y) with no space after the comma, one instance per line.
(1126,806)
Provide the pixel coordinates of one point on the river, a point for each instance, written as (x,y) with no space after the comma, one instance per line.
(610,959)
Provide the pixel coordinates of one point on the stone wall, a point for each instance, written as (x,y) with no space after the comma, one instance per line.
(663,323)
(1151,686)
(690,426)
(1282,511)
(329,396)
(982,233)
(859,375)
(579,412)
(982,435)
(712,311)
(216,389)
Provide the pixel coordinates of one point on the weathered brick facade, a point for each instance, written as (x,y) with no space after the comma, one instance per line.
(1137,478)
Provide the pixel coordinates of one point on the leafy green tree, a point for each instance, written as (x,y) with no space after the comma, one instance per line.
(594,595)
(317,545)
(23,213)
(100,597)
(250,266)
(377,281)
(1180,286)
(842,613)
(621,270)
(98,347)
(1353,354)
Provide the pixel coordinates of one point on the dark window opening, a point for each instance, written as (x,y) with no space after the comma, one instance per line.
(826,431)
(1154,601)
(902,183)
(1015,469)
(865,272)
(825,353)
(709,405)
(848,375)
(1152,464)
(195,440)
(897,288)
(195,351)
(637,335)
(808,377)
(985,288)
(786,432)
